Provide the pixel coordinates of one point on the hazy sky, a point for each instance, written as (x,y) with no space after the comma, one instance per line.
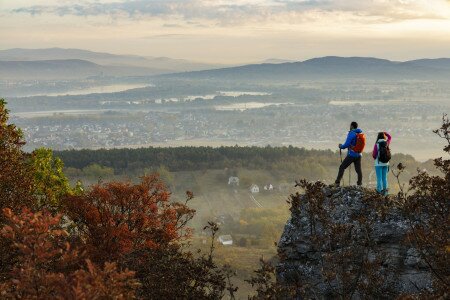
(230,31)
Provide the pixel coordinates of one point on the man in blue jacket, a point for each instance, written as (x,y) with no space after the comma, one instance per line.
(352,156)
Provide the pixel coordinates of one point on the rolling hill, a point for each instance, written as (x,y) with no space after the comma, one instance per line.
(164,64)
(67,69)
(332,68)
(438,63)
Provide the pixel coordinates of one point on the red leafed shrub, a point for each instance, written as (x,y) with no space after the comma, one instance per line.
(106,283)
(138,227)
(48,268)
(41,252)
(117,218)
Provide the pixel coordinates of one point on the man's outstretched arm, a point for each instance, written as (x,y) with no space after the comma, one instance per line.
(347,141)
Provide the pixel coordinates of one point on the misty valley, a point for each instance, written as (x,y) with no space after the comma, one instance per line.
(175,112)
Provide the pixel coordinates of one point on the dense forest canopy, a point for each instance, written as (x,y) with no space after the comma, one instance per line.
(284,163)
(191,158)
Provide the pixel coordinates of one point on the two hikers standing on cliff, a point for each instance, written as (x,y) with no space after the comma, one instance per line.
(355,143)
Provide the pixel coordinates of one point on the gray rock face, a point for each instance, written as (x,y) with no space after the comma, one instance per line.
(347,246)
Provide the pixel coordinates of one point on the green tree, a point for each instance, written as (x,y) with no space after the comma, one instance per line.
(97,171)
(50,183)
(165,175)
(15,181)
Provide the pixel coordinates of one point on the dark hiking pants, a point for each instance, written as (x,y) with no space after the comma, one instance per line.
(346,163)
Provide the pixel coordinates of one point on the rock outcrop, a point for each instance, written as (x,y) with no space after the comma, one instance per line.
(340,242)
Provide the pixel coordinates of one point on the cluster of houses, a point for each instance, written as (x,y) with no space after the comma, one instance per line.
(254,188)
(288,124)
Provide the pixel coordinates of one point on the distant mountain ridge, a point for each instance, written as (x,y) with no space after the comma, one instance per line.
(67,69)
(59,63)
(154,64)
(333,68)
(277,61)
(22,54)
(439,63)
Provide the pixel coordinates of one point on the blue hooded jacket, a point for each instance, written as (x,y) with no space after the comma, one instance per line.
(351,142)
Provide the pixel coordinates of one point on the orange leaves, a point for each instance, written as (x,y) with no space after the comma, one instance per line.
(117,218)
(46,265)
(34,234)
(97,283)
(40,246)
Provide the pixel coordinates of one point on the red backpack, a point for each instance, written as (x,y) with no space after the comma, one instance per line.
(360,143)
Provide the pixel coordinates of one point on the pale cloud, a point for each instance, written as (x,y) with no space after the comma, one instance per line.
(232,30)
(226,11)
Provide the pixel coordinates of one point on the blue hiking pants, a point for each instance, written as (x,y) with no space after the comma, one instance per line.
(382,183)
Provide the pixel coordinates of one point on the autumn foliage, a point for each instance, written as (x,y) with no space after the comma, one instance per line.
(49,267)
(126,218)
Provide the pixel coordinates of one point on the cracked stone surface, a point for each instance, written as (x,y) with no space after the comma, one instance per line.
(300,261)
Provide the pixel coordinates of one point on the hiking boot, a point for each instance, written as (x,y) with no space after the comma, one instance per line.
(335,185)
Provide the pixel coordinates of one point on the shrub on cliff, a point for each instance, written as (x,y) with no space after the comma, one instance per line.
(426,205)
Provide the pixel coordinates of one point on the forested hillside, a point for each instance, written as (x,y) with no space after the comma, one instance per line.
(196,158)
(281,162)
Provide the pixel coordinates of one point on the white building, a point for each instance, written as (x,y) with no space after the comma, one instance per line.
(225,240)
(268,187)
(254,189)
(233,181)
